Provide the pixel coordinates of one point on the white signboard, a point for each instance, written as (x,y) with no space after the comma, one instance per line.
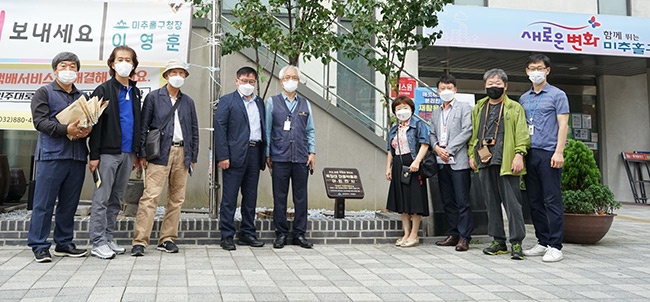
(34,31)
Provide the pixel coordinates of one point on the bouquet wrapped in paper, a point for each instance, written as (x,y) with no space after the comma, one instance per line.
(86,111)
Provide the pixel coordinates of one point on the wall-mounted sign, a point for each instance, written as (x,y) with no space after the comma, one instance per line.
(465,26)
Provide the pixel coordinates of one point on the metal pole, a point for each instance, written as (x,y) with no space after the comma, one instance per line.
(215,62)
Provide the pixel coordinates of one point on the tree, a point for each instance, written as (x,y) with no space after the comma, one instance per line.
(254,29)
(391,26)
(290,28)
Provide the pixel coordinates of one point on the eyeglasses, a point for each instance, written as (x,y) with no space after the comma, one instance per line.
(536,68)
(295,78)
(252,82)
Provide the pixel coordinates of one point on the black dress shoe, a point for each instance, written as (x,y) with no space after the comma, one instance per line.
(245,239)
(449,241)
(463,245)
(280,241)
(227,244)
(302,242)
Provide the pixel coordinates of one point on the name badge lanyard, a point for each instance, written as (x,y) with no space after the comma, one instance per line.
(531,113)
(443,121)
(287,123)
(496,130)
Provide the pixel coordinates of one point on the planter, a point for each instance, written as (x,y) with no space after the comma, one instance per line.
(586,228)
(17,185)
(4,177)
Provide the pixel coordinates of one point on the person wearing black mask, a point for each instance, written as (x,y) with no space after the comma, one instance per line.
(497,148)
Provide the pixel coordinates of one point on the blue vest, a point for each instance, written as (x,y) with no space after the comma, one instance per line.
(289,146)
(52,148)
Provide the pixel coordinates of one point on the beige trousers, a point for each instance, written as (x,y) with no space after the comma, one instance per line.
(156,175)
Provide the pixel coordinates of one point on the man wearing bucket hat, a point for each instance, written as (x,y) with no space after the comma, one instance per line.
(179,149)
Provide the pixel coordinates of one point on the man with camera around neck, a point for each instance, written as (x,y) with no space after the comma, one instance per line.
(497,148)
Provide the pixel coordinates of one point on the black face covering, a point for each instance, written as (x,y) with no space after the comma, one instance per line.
(494,92)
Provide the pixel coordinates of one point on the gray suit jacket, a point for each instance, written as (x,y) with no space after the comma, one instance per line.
(459,131)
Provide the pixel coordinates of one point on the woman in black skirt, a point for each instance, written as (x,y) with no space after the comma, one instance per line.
(408,141)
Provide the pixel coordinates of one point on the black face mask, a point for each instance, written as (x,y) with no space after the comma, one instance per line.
(494,92)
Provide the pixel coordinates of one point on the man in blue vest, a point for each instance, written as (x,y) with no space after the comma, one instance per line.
(61,156)
(291,155)
(239,148)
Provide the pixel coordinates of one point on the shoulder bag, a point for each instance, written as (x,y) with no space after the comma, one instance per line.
(152,143)
(428,165)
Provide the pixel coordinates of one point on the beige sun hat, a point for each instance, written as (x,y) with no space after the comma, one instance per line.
(176,63)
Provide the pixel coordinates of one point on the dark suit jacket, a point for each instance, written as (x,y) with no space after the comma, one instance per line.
(232,132)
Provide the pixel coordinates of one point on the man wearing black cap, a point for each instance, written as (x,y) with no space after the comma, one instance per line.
(60,163)
(179,150)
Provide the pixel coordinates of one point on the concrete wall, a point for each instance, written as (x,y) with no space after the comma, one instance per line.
(625,119)
(640,8)
(573,6)
(336,146)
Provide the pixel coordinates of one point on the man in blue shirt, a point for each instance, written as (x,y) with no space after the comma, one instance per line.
(239,149)
(291,153)
(114,145)
(547,115)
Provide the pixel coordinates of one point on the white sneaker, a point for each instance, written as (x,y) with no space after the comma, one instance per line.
(103,252)
(537,250)
(552,255)
(116,248)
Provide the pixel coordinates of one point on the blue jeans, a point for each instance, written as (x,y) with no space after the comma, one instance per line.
(60,179)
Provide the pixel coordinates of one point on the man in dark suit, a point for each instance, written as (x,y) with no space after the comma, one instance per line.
(239,146)
(451,128)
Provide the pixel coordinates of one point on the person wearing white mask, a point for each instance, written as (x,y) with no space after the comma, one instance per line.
(291,154)
(239,151)
(114,148)
(451,128)
(547,115)
(408,142)
(61,163)
(174,113)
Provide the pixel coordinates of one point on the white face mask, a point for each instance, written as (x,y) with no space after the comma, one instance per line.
(403,114)
(123,69)
(447,95)
(290,85)
(67,77)
(176,81)
(246,89)
(537,77)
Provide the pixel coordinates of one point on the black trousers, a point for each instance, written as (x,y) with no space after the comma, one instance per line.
(454,190)
(297,174)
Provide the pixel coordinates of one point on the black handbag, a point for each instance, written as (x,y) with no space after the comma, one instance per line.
(429,165)
(405,177)
(152,143)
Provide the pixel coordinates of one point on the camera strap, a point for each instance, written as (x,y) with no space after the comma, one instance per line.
(496,130)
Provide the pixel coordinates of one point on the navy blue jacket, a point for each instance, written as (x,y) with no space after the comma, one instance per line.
(231,130)
(156,107)
(53,143)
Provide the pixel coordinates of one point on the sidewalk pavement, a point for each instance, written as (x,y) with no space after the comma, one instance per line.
(617,268)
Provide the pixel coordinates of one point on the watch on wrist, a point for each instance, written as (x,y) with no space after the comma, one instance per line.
(520,153)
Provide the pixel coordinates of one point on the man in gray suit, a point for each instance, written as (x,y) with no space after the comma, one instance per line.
(451,128)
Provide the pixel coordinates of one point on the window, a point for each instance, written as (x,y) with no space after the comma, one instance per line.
(614,7)
(471,2)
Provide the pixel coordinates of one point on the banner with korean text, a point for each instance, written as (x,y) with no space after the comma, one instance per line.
(465,26)
(32,32)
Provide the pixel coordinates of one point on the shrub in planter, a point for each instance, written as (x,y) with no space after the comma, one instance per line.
(582,192)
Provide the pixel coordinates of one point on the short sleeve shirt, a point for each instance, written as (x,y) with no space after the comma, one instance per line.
(542,110)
